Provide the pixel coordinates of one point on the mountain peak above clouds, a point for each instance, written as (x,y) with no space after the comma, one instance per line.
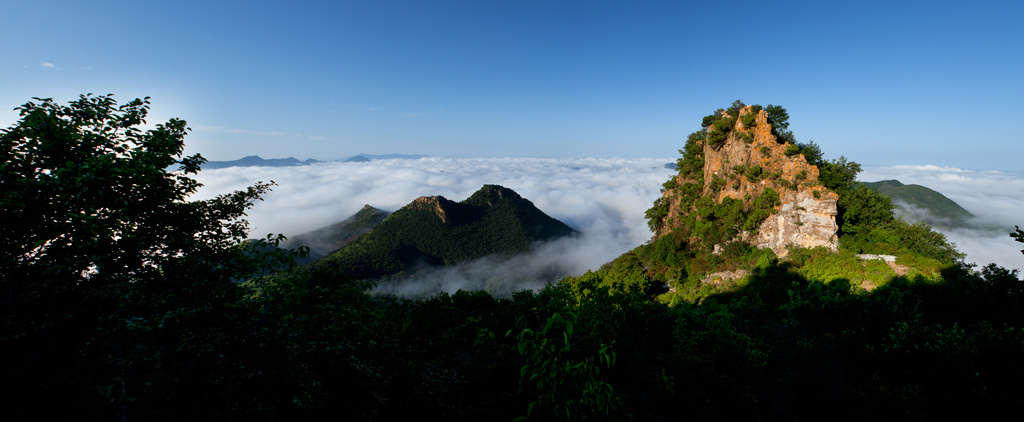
(435,231)
(740,159)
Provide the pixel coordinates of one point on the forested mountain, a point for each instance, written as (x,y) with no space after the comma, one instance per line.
(328,239)
(121,298)
(938,210)
(435,231)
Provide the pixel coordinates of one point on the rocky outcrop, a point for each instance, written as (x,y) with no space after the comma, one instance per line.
(802,221)
(432,204)
(749,161)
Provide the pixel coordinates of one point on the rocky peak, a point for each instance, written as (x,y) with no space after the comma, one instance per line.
(433,204)
(742,158)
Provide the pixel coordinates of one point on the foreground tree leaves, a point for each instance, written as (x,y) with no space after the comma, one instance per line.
(113,281)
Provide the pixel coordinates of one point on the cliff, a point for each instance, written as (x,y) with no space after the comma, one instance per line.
(739,160)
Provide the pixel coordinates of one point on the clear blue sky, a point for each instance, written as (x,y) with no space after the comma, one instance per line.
(892,82)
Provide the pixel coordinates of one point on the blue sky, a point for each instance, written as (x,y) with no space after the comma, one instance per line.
(883,83)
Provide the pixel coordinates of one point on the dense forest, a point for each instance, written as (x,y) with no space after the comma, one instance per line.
(123,299)
(435,231)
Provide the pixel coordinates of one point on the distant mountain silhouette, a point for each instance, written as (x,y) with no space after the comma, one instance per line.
(362,158)
(257,161)
(434,231)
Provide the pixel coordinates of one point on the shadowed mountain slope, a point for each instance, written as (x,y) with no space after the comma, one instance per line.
(435,231)
(328,239)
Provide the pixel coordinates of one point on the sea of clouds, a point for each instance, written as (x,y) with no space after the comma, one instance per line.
(603,198)
(995,198)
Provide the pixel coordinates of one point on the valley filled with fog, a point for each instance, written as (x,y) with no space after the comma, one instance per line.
(603,198)
(995,198)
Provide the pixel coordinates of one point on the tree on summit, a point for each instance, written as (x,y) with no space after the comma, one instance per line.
(779,119)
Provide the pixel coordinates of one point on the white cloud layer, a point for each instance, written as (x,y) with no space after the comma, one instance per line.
(603,198)
(996,198)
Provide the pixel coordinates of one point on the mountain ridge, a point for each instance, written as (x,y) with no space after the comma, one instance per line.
(327,239)
(941,211)
(434,231)
(257,161)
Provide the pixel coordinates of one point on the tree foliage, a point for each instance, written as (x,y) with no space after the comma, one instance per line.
(494,220)
(778,117)
(100,244)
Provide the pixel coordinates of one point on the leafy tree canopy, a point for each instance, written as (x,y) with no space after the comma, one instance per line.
(99,236)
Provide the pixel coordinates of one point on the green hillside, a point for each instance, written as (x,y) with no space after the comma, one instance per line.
(943,212)
(325,240)
(435,231)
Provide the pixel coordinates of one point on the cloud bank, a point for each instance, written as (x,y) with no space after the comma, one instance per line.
(603,198)
(996,198)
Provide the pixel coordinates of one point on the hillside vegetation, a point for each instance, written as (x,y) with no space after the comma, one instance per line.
(707,221)
(325,240)
(434,231)
(121,301)
(939,210)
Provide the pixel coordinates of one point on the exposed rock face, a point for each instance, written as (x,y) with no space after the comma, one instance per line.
(802,221)
(432,204)
(807,214)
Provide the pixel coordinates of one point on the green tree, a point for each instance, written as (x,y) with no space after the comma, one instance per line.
(734,109)
(104,262)
(777,116)
(838,175)
(561,384)
(779,119)
(862,209)
(811,152)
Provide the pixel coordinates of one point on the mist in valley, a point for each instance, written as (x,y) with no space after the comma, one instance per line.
(602,198)
(995,198)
